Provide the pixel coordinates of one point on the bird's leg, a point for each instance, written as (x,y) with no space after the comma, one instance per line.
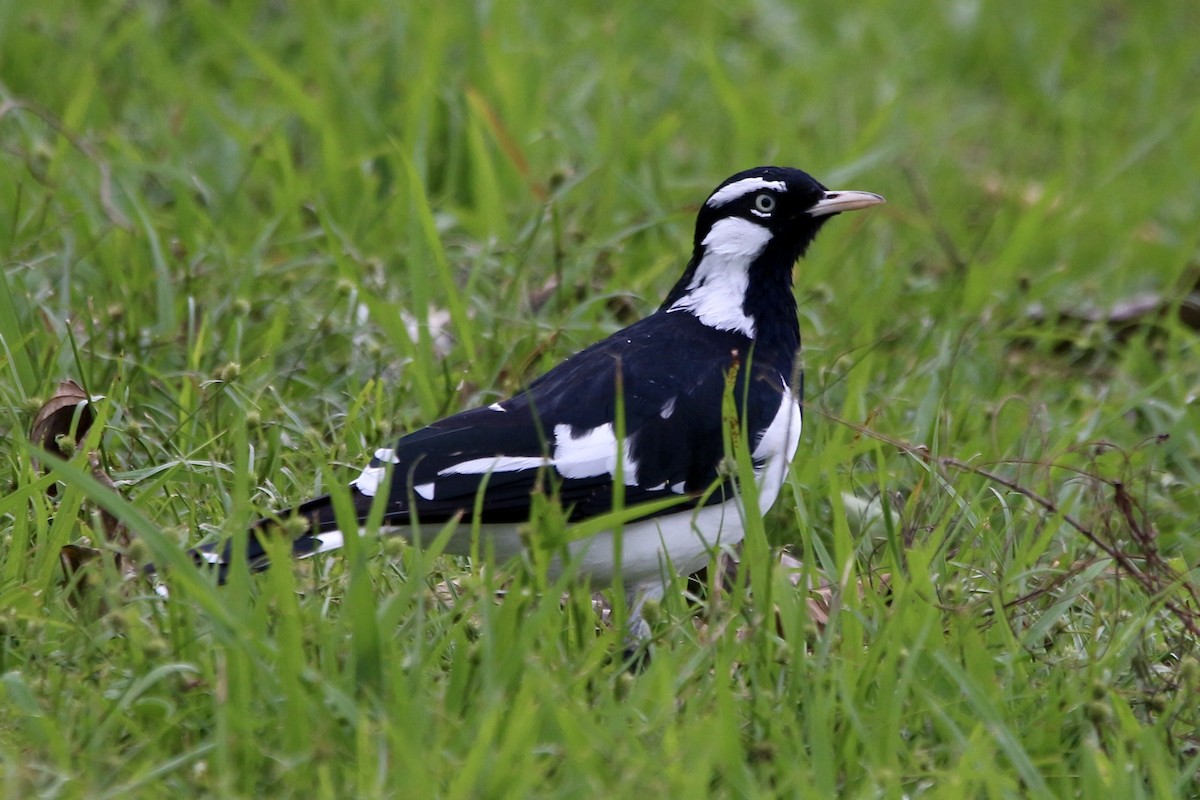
(636,651)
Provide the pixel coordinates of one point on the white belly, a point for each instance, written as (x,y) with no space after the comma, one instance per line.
(677,543)
(650,548)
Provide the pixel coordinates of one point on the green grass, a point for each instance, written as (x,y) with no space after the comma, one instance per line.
(196,199)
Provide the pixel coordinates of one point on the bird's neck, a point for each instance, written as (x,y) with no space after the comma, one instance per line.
(770,301)
(741,281)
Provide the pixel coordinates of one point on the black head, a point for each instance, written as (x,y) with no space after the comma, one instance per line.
(788,202)
(749,233)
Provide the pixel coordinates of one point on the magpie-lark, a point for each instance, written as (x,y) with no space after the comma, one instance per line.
(733,309)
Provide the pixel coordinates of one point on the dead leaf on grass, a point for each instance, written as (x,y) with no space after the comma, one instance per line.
(60,426)
(64,420)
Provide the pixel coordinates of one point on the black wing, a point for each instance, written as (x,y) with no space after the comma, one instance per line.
(560,434)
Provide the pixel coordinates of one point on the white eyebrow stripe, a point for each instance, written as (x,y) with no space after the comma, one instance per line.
(727,194)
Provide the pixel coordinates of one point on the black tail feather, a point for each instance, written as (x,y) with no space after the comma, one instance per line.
(316,515)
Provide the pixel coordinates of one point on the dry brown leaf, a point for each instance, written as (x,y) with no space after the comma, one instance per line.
(57,417)
(74,556)
(59,426)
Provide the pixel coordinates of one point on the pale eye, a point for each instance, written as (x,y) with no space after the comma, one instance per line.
(765,203)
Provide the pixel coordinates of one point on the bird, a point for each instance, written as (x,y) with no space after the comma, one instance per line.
(634,421)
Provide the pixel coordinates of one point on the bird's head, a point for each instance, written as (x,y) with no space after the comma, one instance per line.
(749,233)
(779,206)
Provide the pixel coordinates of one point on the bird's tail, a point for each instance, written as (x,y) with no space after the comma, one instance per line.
(313,521)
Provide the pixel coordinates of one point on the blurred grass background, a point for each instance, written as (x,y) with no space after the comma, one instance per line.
(273,235)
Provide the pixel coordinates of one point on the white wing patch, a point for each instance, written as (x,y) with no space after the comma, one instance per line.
(737,189)
(717,292)
(329,540)
(387,456)
(585,454)
(591,453)
(370,478)
(368,481)
(482,466)
(496,407)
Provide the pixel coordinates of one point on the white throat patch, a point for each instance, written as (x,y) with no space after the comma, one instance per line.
(718,289)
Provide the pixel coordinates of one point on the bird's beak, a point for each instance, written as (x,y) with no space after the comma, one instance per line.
(837,202)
